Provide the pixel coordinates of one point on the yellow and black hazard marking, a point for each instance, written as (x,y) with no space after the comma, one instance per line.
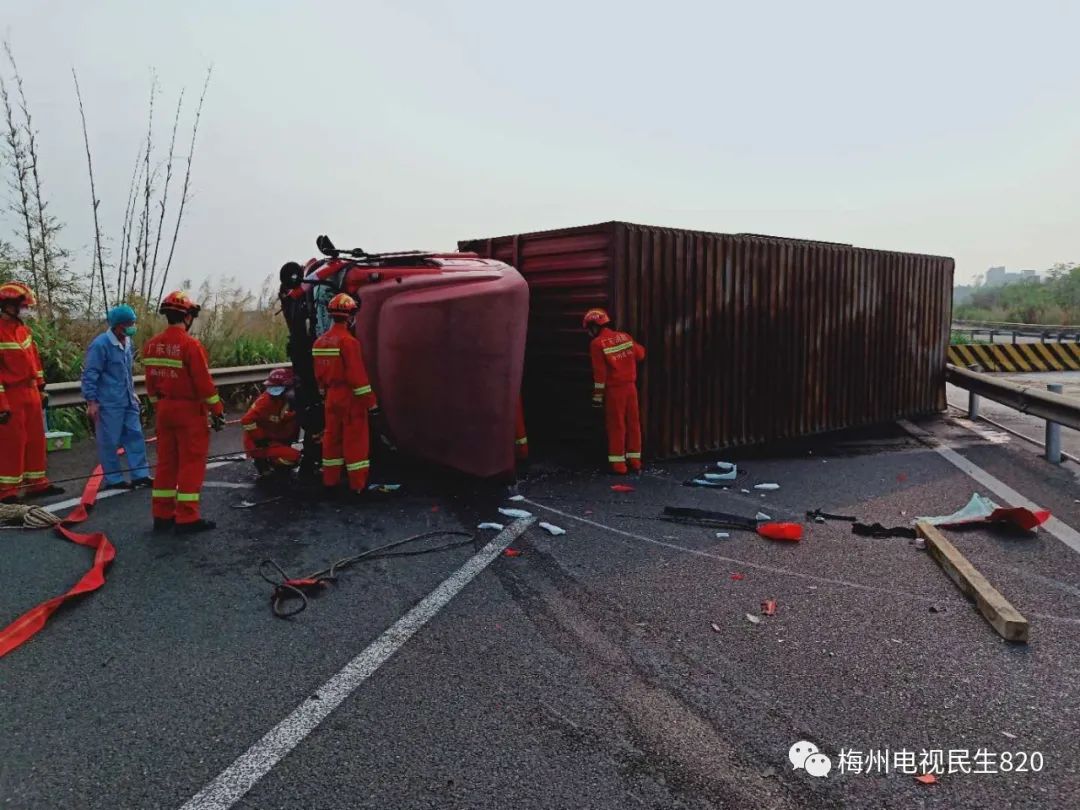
(1018,356)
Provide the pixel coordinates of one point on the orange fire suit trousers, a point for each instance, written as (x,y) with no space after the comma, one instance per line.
(280,455)
(183,441)
(623,427)
(345,439)
(22,443)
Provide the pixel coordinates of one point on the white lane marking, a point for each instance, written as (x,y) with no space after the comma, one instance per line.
(225,485)
(111,493)
(231,784)
(1055,527)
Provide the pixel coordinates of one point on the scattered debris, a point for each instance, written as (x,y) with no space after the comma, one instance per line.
(1010,736)
(744,491)
(704,482)
(768,487)
(498,527)
(790,532)
(722,536)
(750,617)
(937,609)
(511,552)
(995,608)
(725,472)
(818,516)
(384,487)
(768,607)
(551,528)
(721,520)
(516,498)
(768,773)
(246,504)
(920,544)
(517,514)
(621,488)
(761,516)
(926,779)
(726,467)
(983,510)
(715,627)
(877,530)
(738,577)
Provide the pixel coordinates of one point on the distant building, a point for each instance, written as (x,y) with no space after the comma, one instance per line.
(999,276)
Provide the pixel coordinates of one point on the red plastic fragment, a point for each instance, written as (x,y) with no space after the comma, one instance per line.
(511,552)
(768,607)
(926,779)
(790,532)
(621,488)
(738,577)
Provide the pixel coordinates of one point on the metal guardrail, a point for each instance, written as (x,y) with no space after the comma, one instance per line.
(66,394)
(1017,330)
(1050,404)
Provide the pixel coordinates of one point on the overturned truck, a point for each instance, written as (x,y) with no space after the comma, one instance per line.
(443,336)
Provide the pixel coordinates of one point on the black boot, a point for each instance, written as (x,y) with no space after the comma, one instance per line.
(200,525)
(163,524)
(118,485)
(142,483)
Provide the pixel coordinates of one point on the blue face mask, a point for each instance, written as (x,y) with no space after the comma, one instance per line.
(130,330)
(276,390)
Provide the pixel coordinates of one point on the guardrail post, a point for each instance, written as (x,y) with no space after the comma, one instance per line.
(973,405)
(1053,431)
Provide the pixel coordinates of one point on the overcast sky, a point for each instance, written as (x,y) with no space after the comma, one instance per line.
(938,127)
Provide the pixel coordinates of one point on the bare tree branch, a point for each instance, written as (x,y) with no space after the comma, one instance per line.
(13,140)
(126,228)
(144,225)
(94,201)
(184,193)
(165,191)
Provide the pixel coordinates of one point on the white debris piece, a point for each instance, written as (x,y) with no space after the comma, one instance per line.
(744,491)
(516,498)
(517,514)
(551,528)
(496,526)
(723,535)
(750,617)
(727,472)
(767,486)
(761,516)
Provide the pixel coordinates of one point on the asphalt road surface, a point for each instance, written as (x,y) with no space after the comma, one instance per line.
(610,667)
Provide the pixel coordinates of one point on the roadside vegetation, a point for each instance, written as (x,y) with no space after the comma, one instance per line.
(1054,302)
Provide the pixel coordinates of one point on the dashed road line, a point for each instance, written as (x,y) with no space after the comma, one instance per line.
(231,784)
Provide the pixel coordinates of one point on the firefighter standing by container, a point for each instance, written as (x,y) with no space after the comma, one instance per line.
(615,357)
(178,379)
(348,397)
(22,397)
(271,425)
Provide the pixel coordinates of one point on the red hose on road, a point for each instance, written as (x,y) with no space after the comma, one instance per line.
(104,553)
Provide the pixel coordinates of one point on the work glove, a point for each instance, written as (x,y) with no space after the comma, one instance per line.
(5,416)
(217,421)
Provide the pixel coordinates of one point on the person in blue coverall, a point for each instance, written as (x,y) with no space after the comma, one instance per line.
(111,403)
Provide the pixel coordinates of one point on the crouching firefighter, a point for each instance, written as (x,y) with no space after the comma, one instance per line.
(347,396)
(271,425)
(615,357)
(178,380)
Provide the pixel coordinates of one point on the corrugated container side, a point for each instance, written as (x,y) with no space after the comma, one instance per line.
(750,338)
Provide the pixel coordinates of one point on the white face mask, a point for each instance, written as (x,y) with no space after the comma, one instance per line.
(27,312)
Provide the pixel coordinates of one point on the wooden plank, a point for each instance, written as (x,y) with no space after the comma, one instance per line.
(1003,617)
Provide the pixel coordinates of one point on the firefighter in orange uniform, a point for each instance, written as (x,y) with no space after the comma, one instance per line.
(615,357)
(347,395)
(22,397)
(178,380)
(271,426)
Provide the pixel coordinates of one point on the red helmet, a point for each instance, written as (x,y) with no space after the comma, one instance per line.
(17,291)
(283,377)
(178,301)
(342,304)
(595,316)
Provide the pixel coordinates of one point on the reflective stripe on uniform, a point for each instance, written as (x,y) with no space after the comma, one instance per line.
(633,455)
(163,493)
(622,347)
(358,465)
(167,362)
(364,389)
(598,386)
(616,459)
(34,474)
(325,352)
(214,400)
(522,440)
(333,462)
(1,388)
(10,479)
(13,346)
(41,374)
(252,426)
(187,497)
